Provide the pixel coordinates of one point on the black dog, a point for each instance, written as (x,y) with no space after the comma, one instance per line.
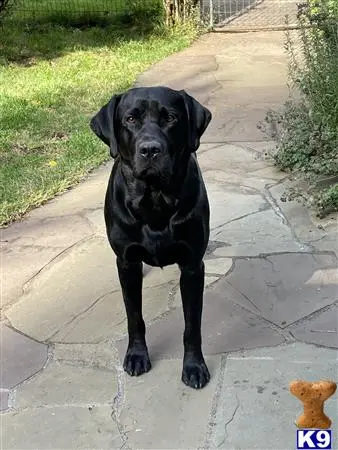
(156,208)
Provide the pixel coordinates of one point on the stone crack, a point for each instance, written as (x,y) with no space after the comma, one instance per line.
(118,405)
(229,422)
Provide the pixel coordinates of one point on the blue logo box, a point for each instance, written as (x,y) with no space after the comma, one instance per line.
(314,439)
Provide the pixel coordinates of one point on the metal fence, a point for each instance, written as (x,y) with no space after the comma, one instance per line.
(61,10)
(224,15)
(250,15)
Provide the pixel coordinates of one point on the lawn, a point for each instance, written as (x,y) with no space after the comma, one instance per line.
(52,79)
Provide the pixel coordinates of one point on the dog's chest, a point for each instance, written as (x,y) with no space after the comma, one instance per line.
(159,246)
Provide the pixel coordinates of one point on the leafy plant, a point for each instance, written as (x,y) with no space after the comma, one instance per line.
(5,6)
(307,131)
(327,201)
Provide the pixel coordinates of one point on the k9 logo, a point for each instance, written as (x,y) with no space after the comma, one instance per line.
(316,439)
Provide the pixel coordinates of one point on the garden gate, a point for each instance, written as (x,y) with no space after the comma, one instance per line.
(250,15)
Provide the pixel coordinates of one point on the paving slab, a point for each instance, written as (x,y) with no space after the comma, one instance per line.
(63,384)
(224,67)
(297,214)
(267,44)
(4,398)
(194,64)
(257,180)
(205,146)
(15,275)
(21,357)
(62,428)
(228,203)
(266,148)
(156,276)
(100,356)
(240,165)
(95,218)
(329,242)
(107,318)
(85,196)
(284,288)
(262,88)
(159,411)
(253,395)
(321,329)
(62,291)
(186,78)
(269,172)
(226,326)
(237,123)
(60,232)
(259,233)
(219,266)
(232,157)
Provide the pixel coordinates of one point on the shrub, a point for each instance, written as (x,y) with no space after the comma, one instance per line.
(4,7)
(327,201)
(308,140)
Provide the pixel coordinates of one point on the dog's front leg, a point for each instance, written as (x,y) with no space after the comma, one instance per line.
(137,359)
(195,372)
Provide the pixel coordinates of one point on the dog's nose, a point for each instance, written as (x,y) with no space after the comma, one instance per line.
(149,149)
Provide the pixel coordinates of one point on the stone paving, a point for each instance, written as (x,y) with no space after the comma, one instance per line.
(270,312)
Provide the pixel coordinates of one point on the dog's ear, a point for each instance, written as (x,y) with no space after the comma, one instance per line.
(199,118)
(102,124)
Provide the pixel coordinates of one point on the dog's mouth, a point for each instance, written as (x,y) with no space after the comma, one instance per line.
(148,175)
(155,176)
(147,172)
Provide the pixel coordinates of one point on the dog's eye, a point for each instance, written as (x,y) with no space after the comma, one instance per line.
(131,119)
(171,118)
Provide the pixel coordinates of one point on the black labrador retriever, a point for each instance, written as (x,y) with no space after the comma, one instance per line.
(156,208)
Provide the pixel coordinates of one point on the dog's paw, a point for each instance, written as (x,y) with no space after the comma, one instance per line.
(136,362)
(195,374)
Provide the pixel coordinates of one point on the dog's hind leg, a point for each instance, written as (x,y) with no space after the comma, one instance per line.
(137,359)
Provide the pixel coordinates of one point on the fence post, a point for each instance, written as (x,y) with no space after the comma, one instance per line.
(211,13)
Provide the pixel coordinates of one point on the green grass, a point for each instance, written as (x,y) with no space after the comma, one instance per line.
(52,80)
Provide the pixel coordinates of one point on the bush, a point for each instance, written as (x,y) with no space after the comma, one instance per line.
(4,7)
(138,14)
(327,201)
(306,144)
(308,140)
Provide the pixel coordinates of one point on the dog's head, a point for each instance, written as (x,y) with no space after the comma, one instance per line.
(152,129)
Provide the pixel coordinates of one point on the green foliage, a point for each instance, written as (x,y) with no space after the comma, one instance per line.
(305,144)
(308,140)
(5,6)
(327,201)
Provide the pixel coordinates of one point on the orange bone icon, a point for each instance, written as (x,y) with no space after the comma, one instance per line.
(313,396)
